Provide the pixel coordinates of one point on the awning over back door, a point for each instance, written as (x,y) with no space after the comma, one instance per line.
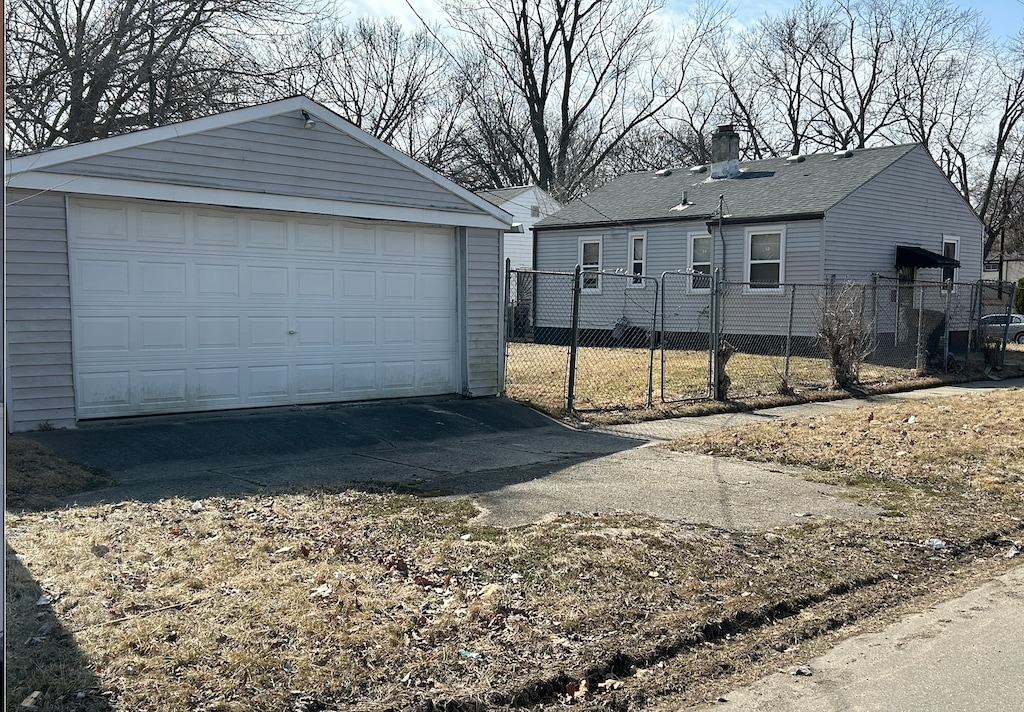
(907,256)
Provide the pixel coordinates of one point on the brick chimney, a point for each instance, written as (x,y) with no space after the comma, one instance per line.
(725,152)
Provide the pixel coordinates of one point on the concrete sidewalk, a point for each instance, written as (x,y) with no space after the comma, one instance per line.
(673,428)
(964,655)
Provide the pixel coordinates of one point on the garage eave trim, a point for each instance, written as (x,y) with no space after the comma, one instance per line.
(115,188)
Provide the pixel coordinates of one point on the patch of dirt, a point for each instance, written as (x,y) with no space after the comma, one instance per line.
(37,478)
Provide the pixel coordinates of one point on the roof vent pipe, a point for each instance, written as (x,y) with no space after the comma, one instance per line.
(685,198)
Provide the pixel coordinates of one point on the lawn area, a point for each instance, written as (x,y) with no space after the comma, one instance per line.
(611,379)
(362,600)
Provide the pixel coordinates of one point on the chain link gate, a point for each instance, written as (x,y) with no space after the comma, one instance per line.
(615,336)
(538,308)
(685,354)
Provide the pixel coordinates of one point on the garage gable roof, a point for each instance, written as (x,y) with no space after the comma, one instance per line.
(293,154)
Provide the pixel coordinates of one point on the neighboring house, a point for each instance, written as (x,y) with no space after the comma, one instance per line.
(1012,268)
(271,255)
(799,220)
(526,204)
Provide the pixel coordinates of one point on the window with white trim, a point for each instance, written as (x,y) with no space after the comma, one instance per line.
(590,263)
(950,248)
(764,265)
(637,258)
(700,261)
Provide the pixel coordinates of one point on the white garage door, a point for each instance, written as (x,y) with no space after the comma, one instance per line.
(183,309)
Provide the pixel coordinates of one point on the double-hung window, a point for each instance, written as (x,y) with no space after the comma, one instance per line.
(590,264)
(700,261)
(950,248)
(637,264)
(765,258)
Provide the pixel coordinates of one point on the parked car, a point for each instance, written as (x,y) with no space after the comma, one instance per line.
(994,325)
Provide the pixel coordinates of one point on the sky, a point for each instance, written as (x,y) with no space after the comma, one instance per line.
(1005,17)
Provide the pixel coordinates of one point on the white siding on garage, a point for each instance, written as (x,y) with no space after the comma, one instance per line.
(38,312)
(275,156)
(483,311)
(909,203)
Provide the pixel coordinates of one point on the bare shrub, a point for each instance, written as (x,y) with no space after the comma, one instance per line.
(845,335)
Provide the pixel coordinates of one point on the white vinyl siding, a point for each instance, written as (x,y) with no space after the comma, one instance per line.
(699,261)
(483,312)
(765,258)
(590,264)
(636,263)
(39,384)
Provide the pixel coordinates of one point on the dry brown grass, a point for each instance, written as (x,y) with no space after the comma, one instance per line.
(615,379)
(361,601)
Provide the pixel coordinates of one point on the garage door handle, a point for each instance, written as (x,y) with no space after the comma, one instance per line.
(291,332)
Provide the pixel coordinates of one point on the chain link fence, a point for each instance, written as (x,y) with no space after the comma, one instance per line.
(608,341)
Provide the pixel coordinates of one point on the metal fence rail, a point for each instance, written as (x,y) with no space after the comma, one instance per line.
(587,340)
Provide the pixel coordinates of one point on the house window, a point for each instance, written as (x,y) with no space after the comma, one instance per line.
(765,264)
(534,211)
(950,248)
(637,257)
(700,261)
(590,263)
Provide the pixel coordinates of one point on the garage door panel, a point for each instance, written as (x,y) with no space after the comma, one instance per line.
(102,277)
(163,279)
(398,286)
(217,332)
(163,333)
(203,309)
(164,387)
(268,282)
(315,283)
(267,234)
(161,226)
(212,229)
(215,280)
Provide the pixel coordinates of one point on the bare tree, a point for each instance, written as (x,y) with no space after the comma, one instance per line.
(782,55)
(1000,191)
(579,75)
(397,85)
(83,69)
(940,86)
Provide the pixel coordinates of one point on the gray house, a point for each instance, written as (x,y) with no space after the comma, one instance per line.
(767,224)
(267,256)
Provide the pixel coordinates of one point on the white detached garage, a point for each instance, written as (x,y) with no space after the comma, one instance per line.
(248,259)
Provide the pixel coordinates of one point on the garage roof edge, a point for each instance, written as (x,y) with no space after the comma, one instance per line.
(22,165)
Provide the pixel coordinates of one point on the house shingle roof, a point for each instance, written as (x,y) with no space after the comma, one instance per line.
(500,196)
(773,188)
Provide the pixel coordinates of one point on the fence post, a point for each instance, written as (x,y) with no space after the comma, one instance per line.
(574,338)
(789,335)
(874,308)
(714,335)
(919,361)
(945,350)
(650,346)
(509,309)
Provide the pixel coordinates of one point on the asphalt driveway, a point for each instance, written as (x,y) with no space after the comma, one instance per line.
(518,465)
